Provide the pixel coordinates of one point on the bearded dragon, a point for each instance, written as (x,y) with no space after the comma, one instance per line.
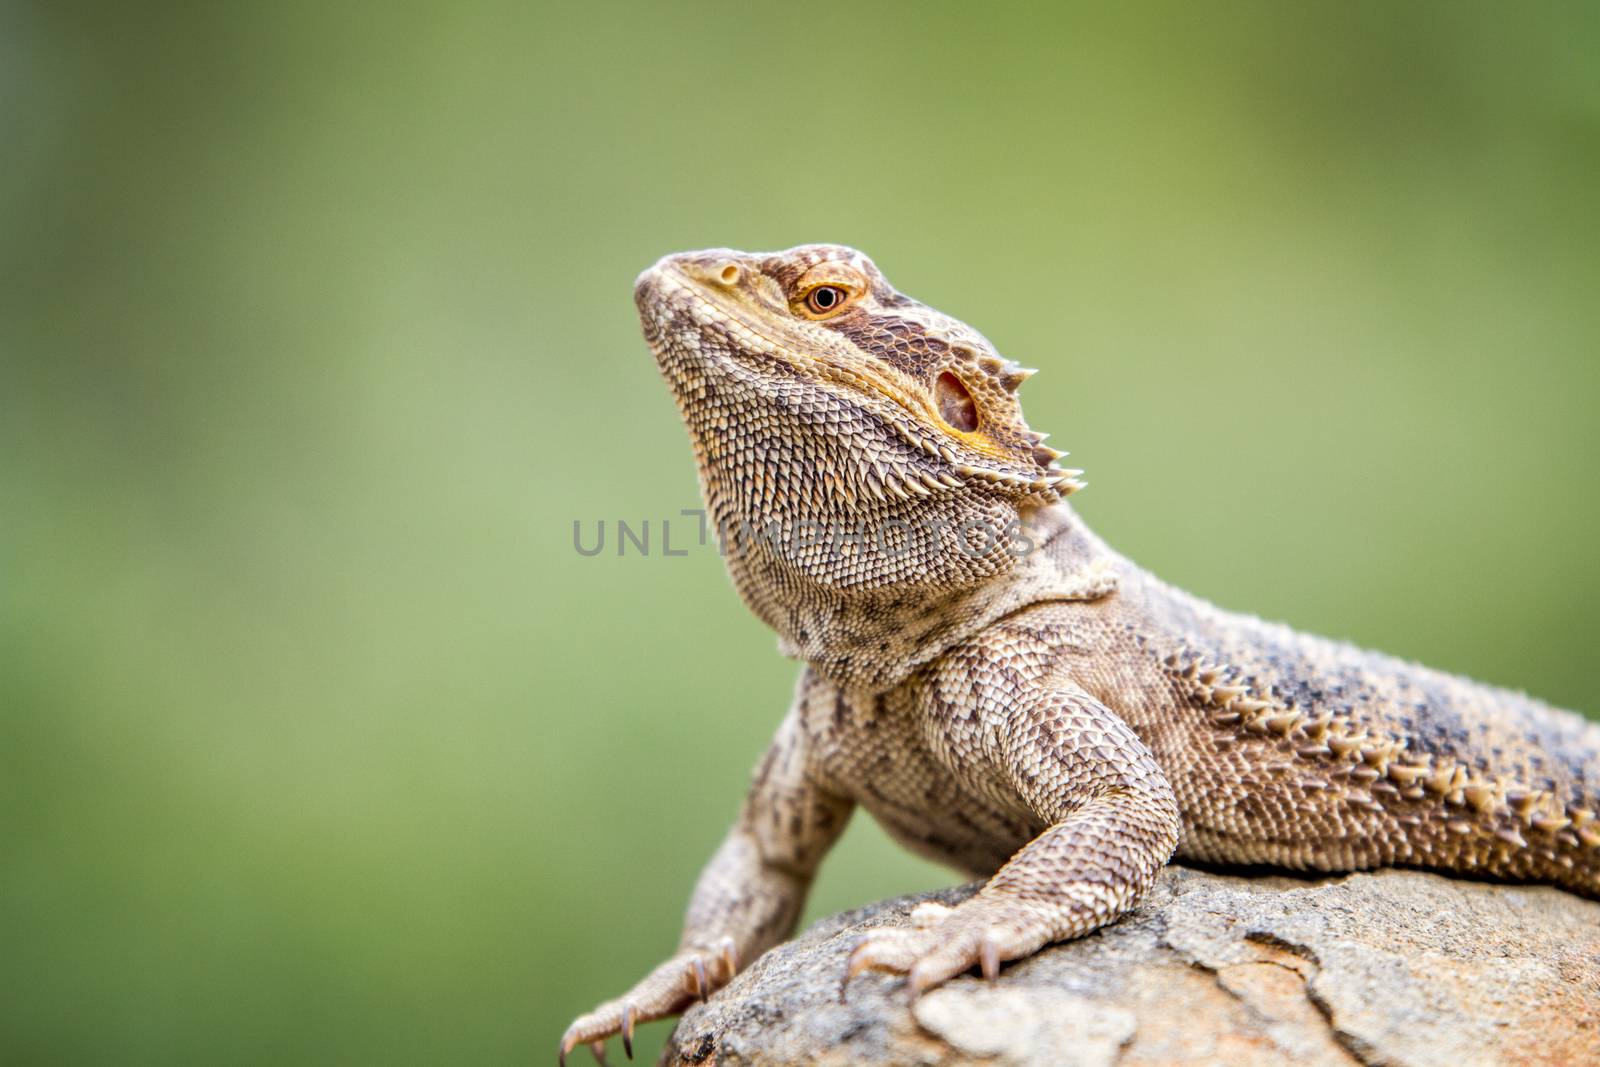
(1005,693)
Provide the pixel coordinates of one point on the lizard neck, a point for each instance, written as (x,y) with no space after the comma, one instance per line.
(850,545)
(874,638)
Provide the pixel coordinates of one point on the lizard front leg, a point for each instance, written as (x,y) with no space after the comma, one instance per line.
(1112,823)
(748,897)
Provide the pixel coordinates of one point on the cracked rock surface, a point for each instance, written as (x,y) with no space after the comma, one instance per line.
(1391,967)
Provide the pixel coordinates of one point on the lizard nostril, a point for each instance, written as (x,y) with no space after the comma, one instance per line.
(729,274)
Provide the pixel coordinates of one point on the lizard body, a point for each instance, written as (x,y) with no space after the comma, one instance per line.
(1026,704)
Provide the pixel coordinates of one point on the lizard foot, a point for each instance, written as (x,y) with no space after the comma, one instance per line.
(942,942)
(667,990)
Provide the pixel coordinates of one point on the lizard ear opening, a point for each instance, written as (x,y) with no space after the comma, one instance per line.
(956,405)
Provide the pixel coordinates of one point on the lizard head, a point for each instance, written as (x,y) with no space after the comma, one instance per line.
(922,393)
(815,393)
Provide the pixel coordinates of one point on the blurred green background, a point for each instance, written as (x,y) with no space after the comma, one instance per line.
(318,741)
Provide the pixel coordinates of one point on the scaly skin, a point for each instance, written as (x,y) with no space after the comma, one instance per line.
(1025,703)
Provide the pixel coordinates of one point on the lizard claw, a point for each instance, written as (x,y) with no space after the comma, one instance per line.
(570,1041)
(730,961)
(699,979)
(669,989)
(941,944)
(989,955)
(859,961)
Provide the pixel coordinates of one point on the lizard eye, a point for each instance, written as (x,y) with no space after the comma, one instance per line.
(826,300)
(956,405)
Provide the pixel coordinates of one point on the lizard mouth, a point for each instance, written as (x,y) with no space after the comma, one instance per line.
(668,285)
(669,292)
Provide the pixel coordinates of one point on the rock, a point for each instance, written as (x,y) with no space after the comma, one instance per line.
(1390,967)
